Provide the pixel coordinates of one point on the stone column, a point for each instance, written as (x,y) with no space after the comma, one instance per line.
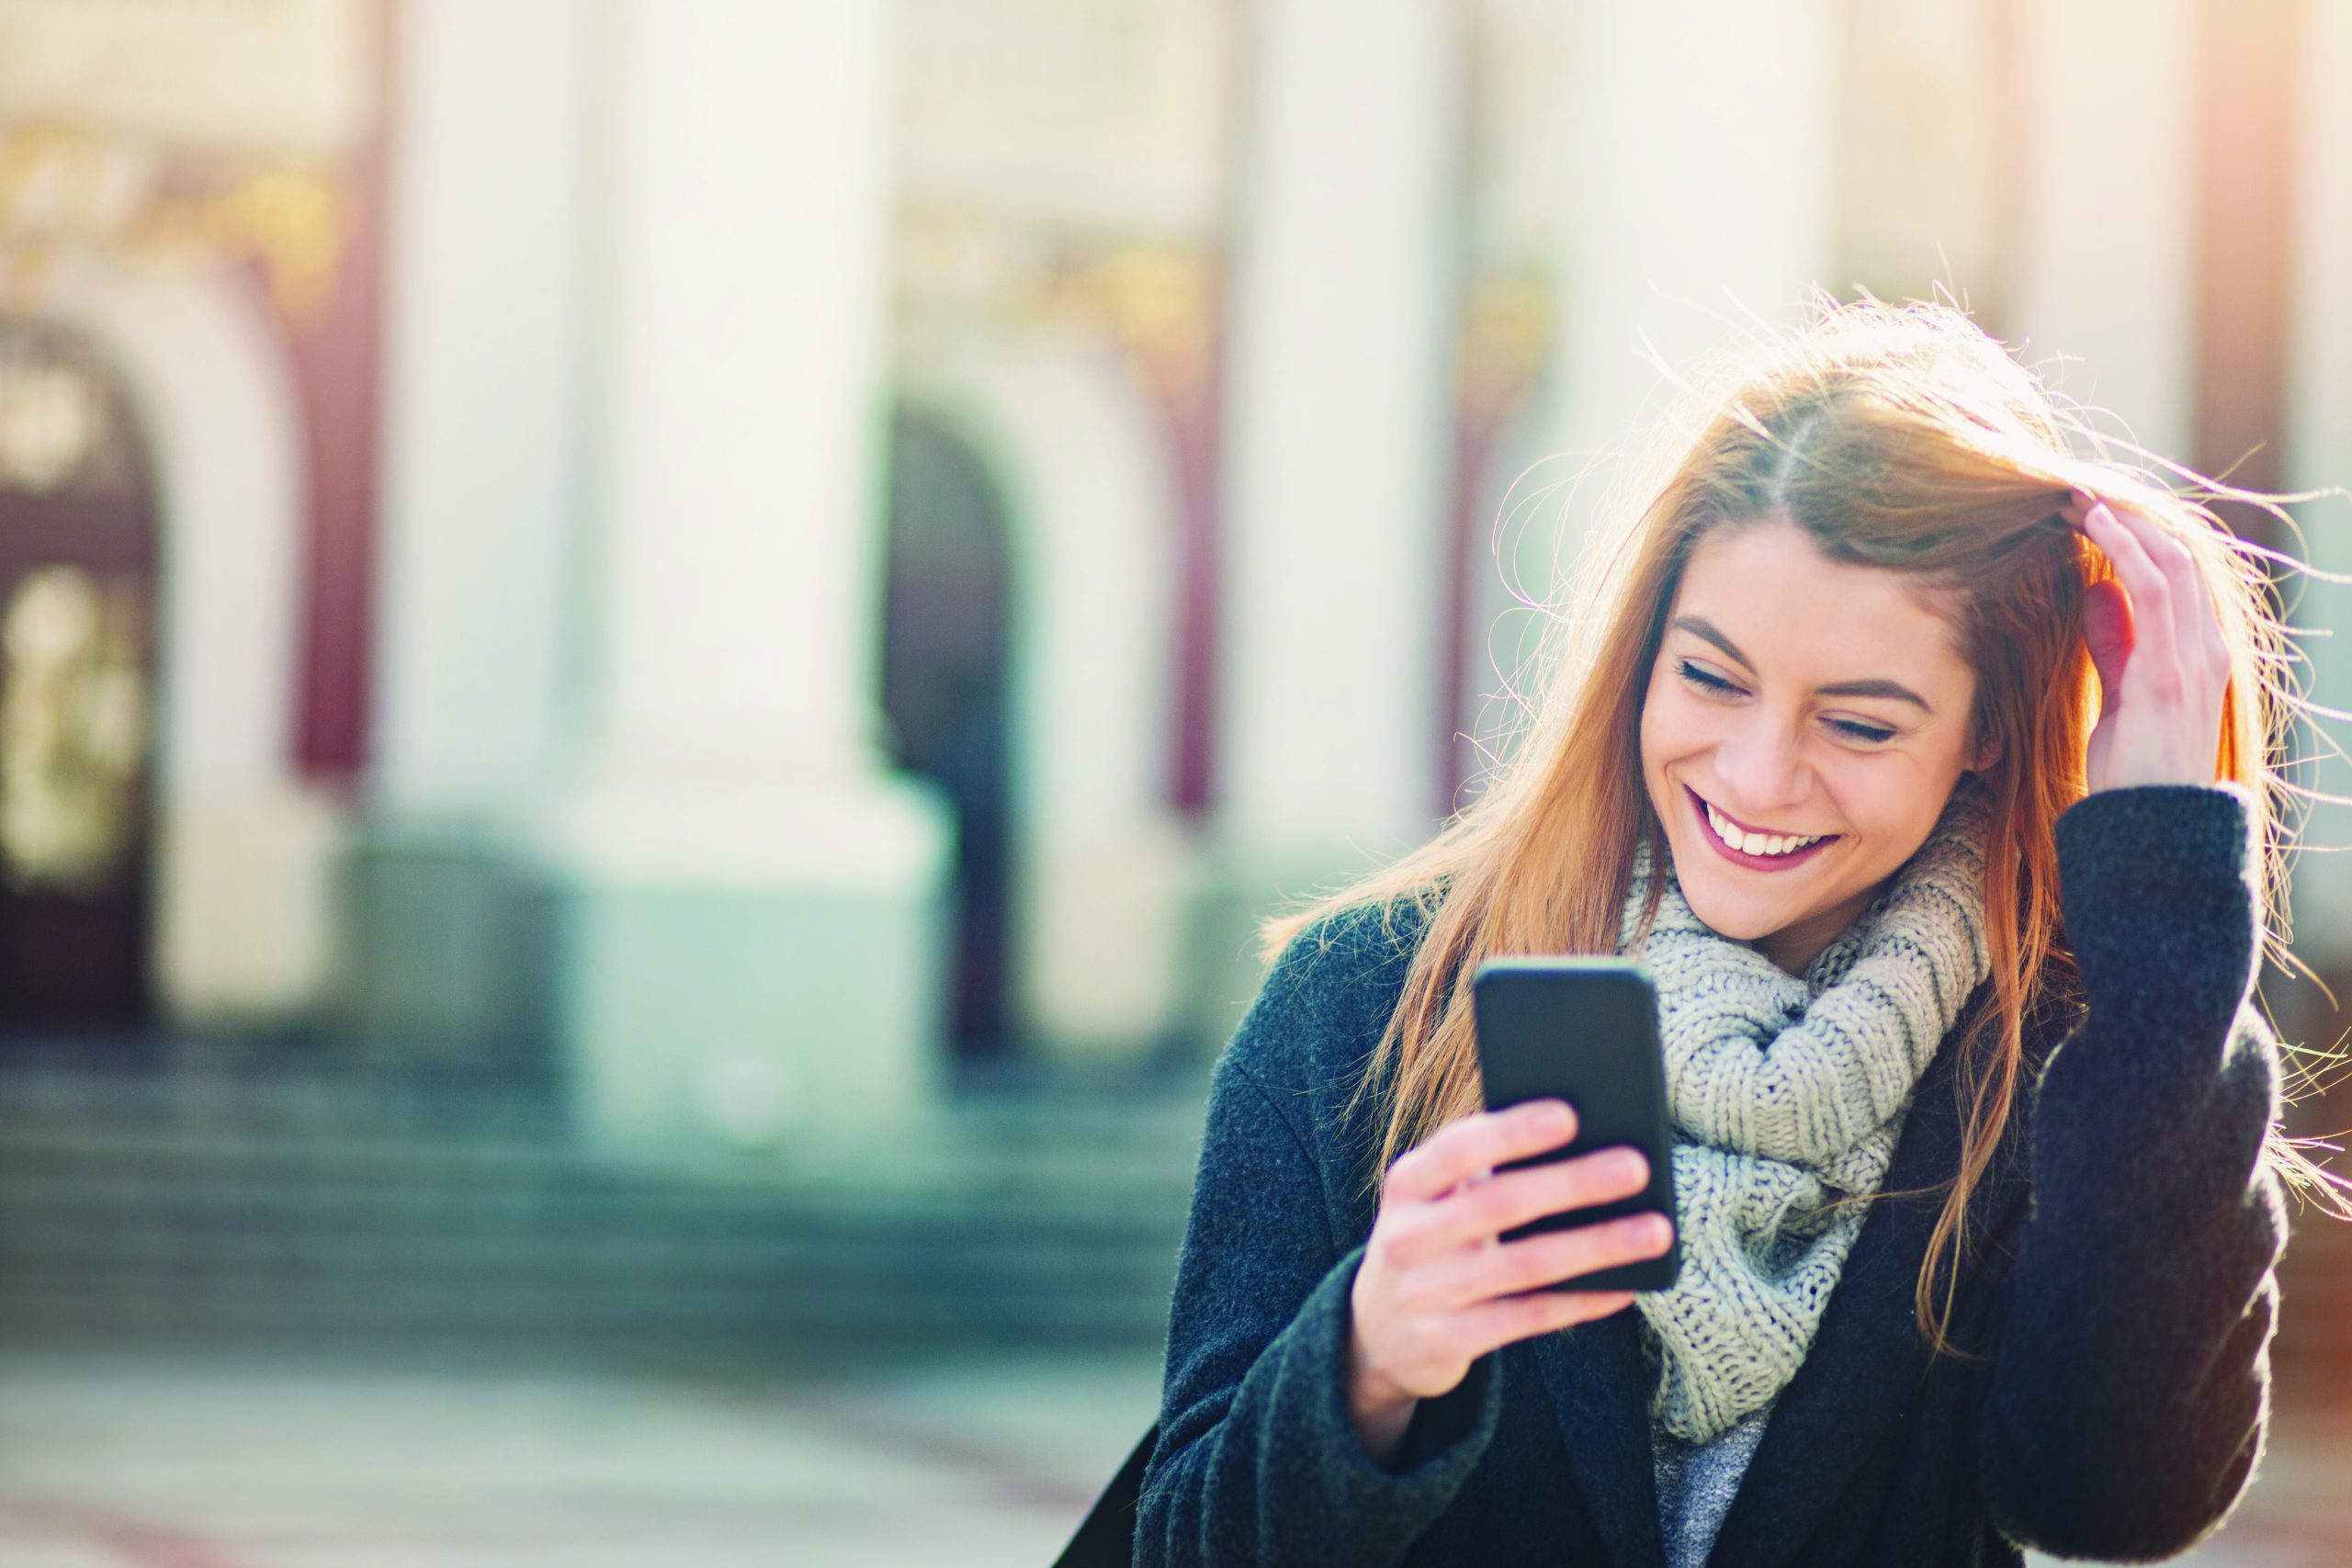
(749,909)
(1695,211)
(480,504)
(481,409)
(2104,277)
(2319,456)
(1332,549)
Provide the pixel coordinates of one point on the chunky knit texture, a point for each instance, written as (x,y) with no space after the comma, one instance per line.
(1784,1092)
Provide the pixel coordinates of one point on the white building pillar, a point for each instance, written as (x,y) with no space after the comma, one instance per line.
(482,498)
(1337,421)
(2319,456)
(1702,154)
(751,920)
(480,414)
(2105,276)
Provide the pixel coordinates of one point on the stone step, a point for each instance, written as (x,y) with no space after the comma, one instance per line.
(240,1179)
(964,1148)
(132,1208)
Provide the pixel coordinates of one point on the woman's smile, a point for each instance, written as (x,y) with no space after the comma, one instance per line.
(1739,856)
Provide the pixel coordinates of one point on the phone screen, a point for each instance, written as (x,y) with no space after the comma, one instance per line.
(1584,1029)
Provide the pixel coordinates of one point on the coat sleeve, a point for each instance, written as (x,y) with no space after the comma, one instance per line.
(1258,1462)
(2129,1391)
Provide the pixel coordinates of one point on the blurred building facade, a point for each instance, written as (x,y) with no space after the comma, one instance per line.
(753,553)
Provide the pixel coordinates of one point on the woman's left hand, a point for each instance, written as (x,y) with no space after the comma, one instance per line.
(2156,642)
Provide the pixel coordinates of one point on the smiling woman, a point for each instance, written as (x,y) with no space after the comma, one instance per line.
(1799,749)
(1924,756)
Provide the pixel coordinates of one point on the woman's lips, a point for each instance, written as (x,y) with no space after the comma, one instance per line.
(1741,857)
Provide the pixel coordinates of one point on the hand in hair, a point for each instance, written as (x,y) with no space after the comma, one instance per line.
(1437,1288)
(2156,642)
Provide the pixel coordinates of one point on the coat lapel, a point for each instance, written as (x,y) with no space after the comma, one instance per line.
(1599,1391)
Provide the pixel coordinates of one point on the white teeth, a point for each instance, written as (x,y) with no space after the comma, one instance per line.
(1756,843)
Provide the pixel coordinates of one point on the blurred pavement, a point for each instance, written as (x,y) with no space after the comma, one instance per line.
(183,1462)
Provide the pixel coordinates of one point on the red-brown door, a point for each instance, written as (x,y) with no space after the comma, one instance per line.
(78,576)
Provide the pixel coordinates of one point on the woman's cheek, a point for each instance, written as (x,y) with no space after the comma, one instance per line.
(1683,727)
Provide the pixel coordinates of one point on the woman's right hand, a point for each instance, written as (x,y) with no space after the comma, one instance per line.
(1437,1289)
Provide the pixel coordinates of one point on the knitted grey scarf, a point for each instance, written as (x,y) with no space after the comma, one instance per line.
(1787,1090)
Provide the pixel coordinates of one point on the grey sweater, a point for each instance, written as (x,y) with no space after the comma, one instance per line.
(1696,1483)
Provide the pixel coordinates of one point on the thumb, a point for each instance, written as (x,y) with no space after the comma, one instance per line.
(2107,628)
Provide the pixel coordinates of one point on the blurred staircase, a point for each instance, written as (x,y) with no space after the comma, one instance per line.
(270,1207)
(263,1208)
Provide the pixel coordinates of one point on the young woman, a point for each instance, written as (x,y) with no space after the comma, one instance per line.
(1926,761)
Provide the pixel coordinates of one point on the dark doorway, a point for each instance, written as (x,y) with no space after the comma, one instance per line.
(77,595)
(945,688)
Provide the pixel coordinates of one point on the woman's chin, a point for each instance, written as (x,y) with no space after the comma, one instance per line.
(1743,914)
(1737,920)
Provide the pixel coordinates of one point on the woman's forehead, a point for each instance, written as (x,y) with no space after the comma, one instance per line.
(1769,591)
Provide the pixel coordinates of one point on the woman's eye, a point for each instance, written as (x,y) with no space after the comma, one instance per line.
(1698,677)
(1710,682)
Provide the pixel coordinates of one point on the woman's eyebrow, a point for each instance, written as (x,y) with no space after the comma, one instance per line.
(1699,627)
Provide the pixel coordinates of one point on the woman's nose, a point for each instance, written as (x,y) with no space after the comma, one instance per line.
(1760,765)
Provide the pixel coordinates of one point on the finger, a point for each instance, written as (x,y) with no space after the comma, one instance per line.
(1534,1262)
(2150,595)
(1494,1323)
(1475,1178)
(1478,1213)
(2192,605)
(1478,1142)
(1468,1183)
(2143,579)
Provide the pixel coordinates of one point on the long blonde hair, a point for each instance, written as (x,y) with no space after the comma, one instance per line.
(1896,436)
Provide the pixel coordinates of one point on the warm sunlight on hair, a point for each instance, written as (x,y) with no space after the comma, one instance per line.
(1901,439)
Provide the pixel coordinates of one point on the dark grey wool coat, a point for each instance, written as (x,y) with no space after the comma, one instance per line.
(2120,1281)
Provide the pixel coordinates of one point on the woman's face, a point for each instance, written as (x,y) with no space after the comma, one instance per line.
(1802,696)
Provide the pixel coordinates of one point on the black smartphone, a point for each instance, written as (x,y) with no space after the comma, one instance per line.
(1584,1029)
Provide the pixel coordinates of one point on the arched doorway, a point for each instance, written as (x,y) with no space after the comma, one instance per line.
(79,570)
(946,639)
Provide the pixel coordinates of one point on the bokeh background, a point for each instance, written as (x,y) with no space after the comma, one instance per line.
(656,657)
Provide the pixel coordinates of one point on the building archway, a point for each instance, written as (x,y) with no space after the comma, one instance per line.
(1103,869)
(244,920)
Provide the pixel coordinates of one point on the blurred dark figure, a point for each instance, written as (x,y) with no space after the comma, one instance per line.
(945,640)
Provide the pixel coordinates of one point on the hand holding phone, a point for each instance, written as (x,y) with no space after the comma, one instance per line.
(1585,1030)
(1439,1287)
